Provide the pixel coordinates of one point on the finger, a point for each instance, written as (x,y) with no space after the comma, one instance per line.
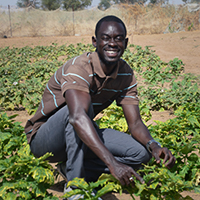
(129,178)
(138,177)
(132,182)
(157,157)
(167,156)
(171,162)
(122,181)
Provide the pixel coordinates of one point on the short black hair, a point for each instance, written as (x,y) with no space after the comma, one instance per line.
(109,18)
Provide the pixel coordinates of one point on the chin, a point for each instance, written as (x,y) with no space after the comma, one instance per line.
(110,62)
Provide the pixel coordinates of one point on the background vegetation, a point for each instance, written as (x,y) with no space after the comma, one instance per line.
(139,19)
(24,73)
(81,4)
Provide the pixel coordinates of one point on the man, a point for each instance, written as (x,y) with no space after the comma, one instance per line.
(79,90)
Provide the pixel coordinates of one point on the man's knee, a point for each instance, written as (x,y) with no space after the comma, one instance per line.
(145,156)
(140,156)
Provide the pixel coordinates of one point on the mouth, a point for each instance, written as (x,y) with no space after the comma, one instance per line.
(111,53)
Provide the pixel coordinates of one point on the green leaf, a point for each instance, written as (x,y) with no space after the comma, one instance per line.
(107,188)
(153,197)
(193,120)
(193,157)
(10,196)
(153,185)
(41,174)
(74,192)
(79,183)
(187,148)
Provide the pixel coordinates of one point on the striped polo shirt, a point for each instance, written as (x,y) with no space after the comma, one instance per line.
(86,74)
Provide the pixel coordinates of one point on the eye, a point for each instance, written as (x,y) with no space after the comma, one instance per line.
(119,38)
(105,38)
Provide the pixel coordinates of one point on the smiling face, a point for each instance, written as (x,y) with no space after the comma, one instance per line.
(110,42)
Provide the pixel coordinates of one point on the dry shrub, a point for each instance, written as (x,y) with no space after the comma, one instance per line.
(139,19)
(132,14)
(149,19)
(6,29)
(185,20)
(157,19)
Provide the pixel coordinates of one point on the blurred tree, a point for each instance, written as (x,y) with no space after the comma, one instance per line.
(195,1)
(159,1)
(76,4)
(185,1)
(191,1)
(27,3)
(153,1)
(104,4)
(129,1)
(51,4)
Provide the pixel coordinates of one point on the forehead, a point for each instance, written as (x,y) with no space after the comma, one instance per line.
(111,27)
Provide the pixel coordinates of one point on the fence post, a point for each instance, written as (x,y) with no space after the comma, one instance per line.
(73,23)
(10,20)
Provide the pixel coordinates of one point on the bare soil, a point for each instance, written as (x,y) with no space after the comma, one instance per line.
(183,45)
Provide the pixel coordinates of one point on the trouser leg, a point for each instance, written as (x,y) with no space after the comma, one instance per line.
(58,136)
(124,148)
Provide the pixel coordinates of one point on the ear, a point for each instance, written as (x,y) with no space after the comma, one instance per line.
(126,43)
(94,41)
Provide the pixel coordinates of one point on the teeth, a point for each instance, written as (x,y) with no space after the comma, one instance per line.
(111,51)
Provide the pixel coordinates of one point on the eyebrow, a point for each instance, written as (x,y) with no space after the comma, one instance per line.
(115,36)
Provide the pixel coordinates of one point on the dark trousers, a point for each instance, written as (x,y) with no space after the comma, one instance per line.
(58,136)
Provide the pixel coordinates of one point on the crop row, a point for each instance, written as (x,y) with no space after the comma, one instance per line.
(24,73)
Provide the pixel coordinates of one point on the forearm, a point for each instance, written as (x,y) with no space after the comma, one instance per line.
(140,132)
(136,127)
(87,133)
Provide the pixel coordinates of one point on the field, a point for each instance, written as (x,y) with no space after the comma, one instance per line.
(183,45)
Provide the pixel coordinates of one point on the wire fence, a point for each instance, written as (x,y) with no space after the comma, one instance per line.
(139,19)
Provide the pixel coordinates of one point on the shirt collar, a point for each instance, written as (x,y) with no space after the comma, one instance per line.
(98,69)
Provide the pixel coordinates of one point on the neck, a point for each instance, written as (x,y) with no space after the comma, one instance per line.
(108,67)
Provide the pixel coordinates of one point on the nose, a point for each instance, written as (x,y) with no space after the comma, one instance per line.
(112,42)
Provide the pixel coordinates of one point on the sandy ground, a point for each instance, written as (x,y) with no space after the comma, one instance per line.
(183,45)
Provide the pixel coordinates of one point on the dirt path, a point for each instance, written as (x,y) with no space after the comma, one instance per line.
(183,45)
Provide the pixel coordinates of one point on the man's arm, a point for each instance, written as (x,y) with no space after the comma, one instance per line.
(78,103)
(140,132)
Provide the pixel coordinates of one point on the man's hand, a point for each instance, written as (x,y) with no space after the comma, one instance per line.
(124,173)
(165,154)
(140,132)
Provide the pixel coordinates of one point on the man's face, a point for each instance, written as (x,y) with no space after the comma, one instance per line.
(110,42)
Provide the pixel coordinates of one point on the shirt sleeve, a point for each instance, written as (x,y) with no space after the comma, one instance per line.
(129,95)
(75,77)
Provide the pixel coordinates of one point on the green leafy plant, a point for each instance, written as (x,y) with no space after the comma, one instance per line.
(24,73)
(102,186)
(190,26)
(181,135)
(22,176)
